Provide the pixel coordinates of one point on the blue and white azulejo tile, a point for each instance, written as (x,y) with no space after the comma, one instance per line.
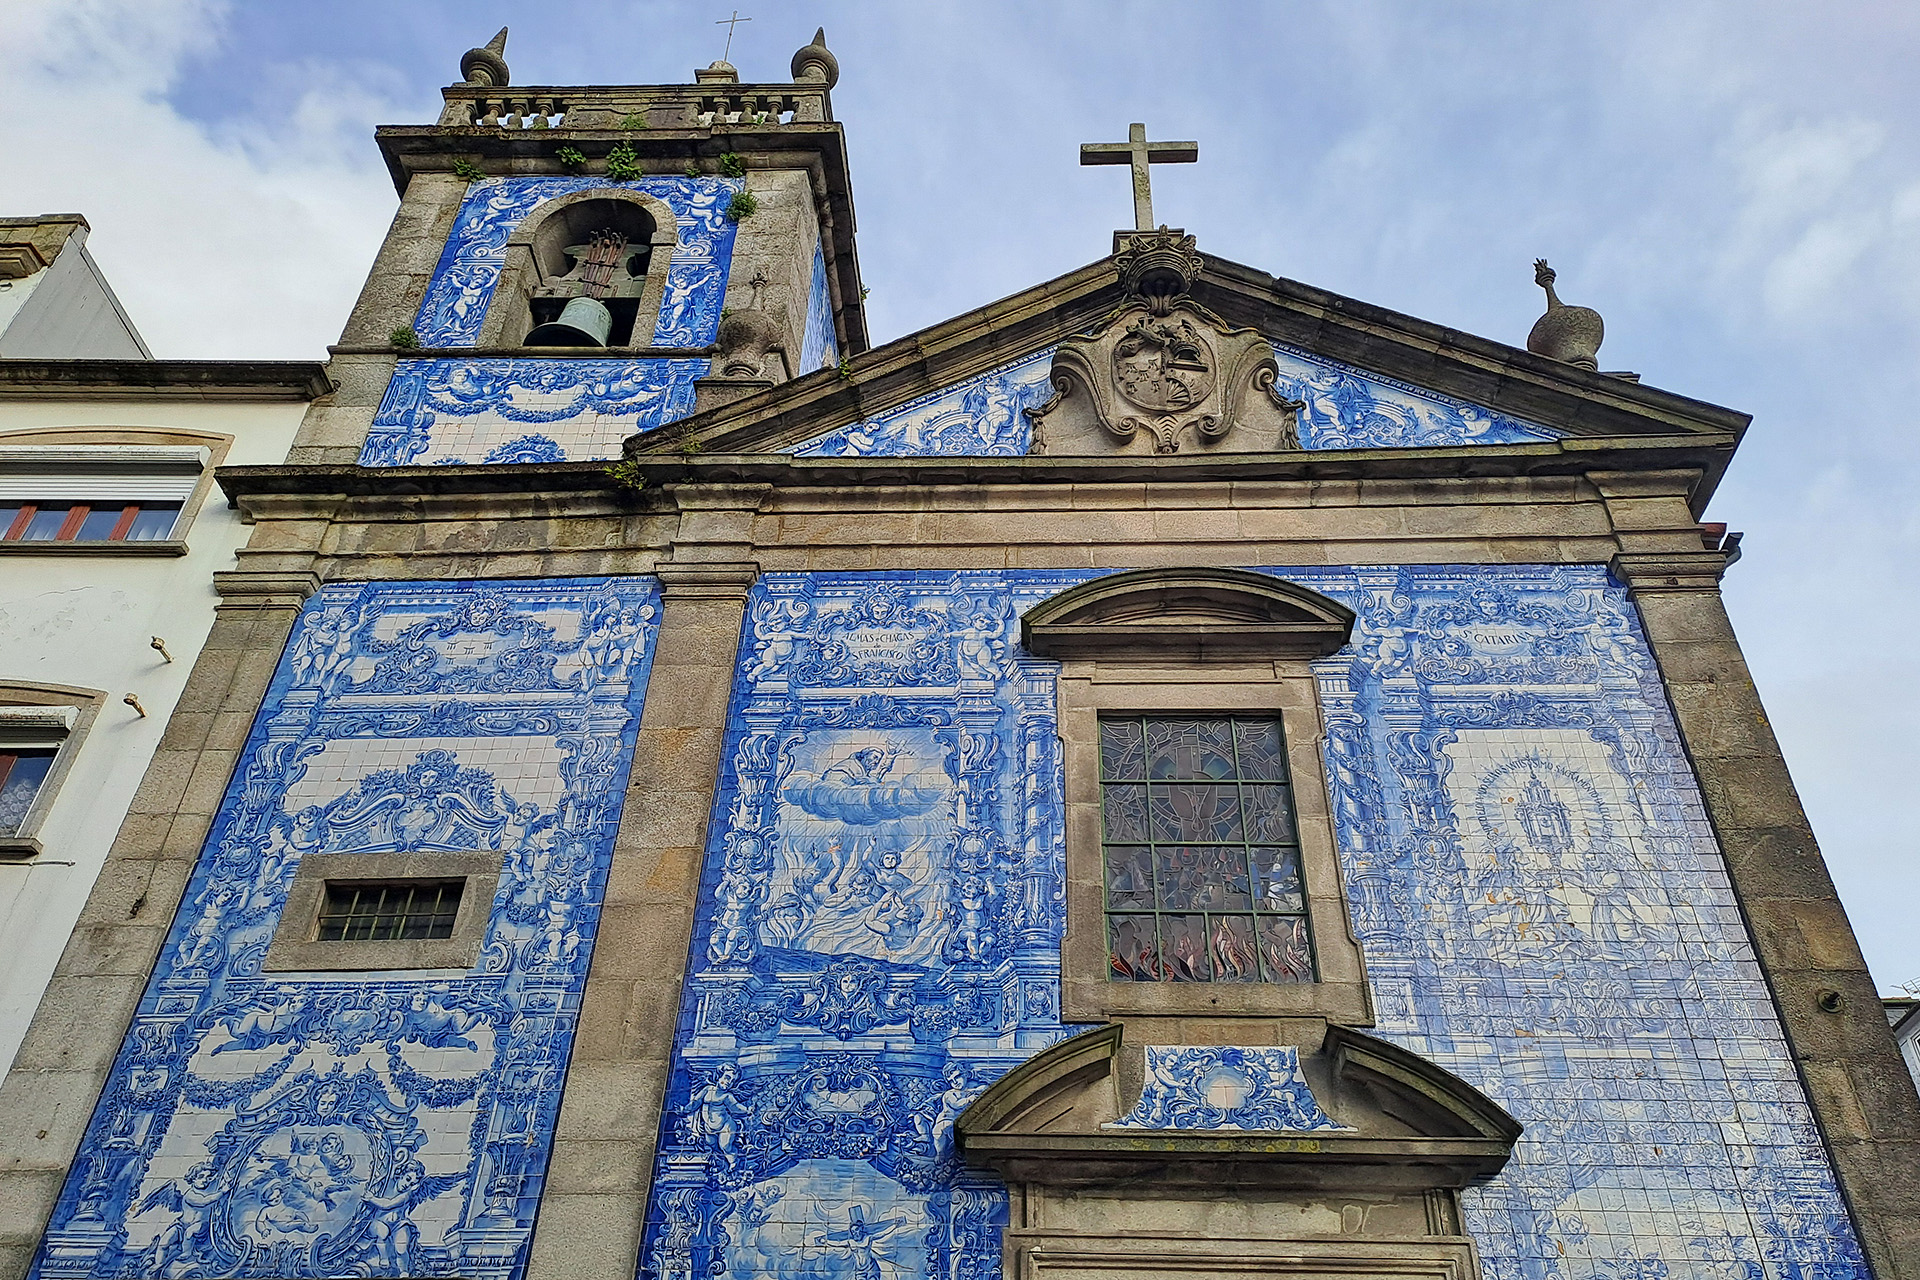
(447,410)
(1225,1087)
(463,283)
(317,1124)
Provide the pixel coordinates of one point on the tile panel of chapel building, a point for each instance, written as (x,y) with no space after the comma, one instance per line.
(1172,772)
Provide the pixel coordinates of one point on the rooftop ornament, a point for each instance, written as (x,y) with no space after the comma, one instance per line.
(486,66)
(815,63)
(1570,334)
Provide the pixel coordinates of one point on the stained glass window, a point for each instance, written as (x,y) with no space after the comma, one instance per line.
(402,911)
(1201,852)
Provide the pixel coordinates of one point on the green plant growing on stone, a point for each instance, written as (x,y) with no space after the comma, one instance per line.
(638,120)
(570,157)
(690,447)
(693,169)
(405,338)
(467,171)
(628,474)
(845,370)
(733,166)
(742,206)
(622,164)
(865,293)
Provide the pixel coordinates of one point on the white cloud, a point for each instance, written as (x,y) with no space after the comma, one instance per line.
(229,243)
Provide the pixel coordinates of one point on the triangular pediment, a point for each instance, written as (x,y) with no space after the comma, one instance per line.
(1353,377)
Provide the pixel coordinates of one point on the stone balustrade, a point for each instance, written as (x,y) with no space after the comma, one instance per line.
(611,107)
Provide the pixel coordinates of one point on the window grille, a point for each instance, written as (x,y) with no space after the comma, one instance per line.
(1201,853)
(394,912)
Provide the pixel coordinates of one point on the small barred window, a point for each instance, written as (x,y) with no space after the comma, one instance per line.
(1202,857)
(393,912)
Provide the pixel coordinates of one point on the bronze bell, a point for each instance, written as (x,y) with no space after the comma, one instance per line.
(585,322)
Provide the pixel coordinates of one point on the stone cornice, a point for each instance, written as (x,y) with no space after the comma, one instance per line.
(282,380)
(1652,573)
(1707,453)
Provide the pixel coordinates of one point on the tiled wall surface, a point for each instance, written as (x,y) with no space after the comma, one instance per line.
(1539,896)
(1223,1087)
(376,1124)
(981,416)
(443,411)
(470,266)
(454,410)
(817,347)
(1346,408)
(1543,909)
(1350,409)
(877,937)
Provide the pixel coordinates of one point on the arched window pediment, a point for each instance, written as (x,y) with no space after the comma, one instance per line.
(1193,615)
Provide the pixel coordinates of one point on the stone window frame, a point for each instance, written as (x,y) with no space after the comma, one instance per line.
(81,708)
(295,948)
(1197,642)
(214,446)
(508,319)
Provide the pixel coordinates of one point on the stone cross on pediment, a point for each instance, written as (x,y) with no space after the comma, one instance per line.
(1139,153)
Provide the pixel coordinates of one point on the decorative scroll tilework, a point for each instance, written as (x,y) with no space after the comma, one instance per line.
(817,348)
(469,269)
(1542,904)
(1348,408)
(447,410)
(383,1124)
(1545,911)
(877,935)
(1345,409)
(983,416)
(1224,1087)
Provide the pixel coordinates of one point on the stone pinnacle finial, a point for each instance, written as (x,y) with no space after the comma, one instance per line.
(1571,334)
(486,65)
(815,63)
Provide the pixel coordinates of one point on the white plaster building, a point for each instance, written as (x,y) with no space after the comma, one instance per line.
(111,530)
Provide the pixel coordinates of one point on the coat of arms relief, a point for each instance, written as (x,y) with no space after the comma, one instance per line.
(1163,373)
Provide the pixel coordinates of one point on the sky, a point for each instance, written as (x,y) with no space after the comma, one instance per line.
(1734,186)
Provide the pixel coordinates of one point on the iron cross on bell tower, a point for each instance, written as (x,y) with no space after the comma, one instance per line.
(1139,153)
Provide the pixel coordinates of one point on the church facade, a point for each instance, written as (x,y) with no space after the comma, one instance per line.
(1174,771)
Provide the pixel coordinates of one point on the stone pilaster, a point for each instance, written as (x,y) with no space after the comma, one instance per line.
(594,1209)
(48,1097)
(1862,1096)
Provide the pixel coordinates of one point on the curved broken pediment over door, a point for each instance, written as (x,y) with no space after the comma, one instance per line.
(1162,1160)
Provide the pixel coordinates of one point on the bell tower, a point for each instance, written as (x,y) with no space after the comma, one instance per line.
(574,265)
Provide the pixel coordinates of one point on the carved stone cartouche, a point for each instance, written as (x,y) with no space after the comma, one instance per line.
(1162,371)
(1572,334)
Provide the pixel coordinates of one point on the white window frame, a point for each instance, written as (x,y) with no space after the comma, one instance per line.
(44,715)
(111,466)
